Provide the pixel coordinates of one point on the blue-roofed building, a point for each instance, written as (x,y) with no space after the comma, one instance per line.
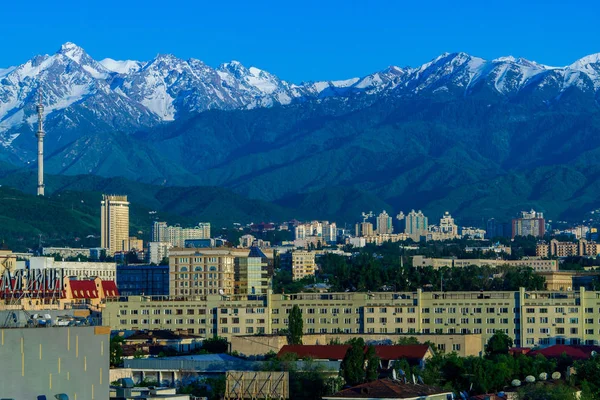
(137,280)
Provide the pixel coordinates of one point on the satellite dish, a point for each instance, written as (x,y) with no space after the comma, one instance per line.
(543,376)
(556,375)
(516,383)
(530,379)
(221,292)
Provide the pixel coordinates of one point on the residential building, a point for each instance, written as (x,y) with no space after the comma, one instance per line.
(495,229)
(416,225)
(536,264)
(494,248)
(135,243)
(252,273)
(530,318)
(384,224)
(139,280)
(567,249)
(66,252)
(473,233)
(301,263)
(364,229)
(114,223)
(176,235)
(158,251)
(447,226)
(201,272)
(529,223)
(388,237)
(324,230)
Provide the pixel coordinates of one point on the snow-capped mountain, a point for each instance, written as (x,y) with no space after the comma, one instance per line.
(82,95)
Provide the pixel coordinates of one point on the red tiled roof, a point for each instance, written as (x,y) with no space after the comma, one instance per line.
(337,352)
(83,289)
(110,288)
(576,352)
(388,389)
(318,352)
(396,352)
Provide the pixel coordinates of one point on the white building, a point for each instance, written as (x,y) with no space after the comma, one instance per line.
(176,235)
(81,270)
(157,251)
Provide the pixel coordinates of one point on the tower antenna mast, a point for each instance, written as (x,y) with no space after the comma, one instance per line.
(40,138)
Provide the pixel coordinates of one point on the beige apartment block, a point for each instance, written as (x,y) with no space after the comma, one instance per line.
(536,264)
(201,272)
(303,264)
(530,318)
(114,223)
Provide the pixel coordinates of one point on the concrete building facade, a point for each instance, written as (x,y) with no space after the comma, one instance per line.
(536,264)
(50,361)
(536,318)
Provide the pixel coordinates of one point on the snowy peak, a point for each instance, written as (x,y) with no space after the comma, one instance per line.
(72,51)
(585,61)
(121,67)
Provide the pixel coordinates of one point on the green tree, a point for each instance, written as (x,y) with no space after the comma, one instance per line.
(372,364)
(352,368)
(498,344)
(116,350)
(295,326)
(215,345)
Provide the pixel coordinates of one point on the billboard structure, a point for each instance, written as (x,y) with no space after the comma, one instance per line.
(257,385)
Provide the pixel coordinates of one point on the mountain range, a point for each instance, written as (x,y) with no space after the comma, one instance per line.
(479,138)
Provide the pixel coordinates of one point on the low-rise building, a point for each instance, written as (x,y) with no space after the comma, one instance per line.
(567,249)
(384,389)
(139,280)
(536,264)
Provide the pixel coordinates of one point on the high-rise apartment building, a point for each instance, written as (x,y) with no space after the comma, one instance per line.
(416,225)
(114,223)
(176,235)
(364,229)
(529,223)
(322,229)
(252,273)
(384,223)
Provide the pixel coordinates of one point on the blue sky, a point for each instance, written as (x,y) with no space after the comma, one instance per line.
(302,40)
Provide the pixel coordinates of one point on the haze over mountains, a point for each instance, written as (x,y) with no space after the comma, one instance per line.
(476,137)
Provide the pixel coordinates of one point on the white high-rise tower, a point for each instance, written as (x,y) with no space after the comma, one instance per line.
(40,137)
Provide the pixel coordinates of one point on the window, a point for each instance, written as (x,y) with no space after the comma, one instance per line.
(398,310)
(347,311)
(441,347)
(559,320)
(530,310)
(543,320)
(545,331)
(530,331)
(504,310)
(425,311)
(559,310)
(323,311)
(477,320)
(560,331)
(589,331)
(122,312)
(310,311)
(250,330)
(411,310)
(370,320)
(452,310)
(531,320)
(275,321)
(543,311)
(504,320)
(455,347)
(123,322)
(398,320)
(383,320)
(573,320)
(464,320)
(439,320)
(411,320)
(383,310)
(491,320)
(439,310)
(574,331)
(370,310)
(452,321)
(425,320)
(464,310)
(477,310)
(490,310)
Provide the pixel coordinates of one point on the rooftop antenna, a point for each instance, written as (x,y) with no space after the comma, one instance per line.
(40,139)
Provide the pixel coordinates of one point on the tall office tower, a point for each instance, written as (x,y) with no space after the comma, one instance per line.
(114,224)
(40,138)
(416,225)
(384,223)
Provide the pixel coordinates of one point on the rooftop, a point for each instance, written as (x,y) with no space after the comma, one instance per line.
(387,389)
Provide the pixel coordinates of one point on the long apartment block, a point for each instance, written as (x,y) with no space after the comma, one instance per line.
(530,318)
